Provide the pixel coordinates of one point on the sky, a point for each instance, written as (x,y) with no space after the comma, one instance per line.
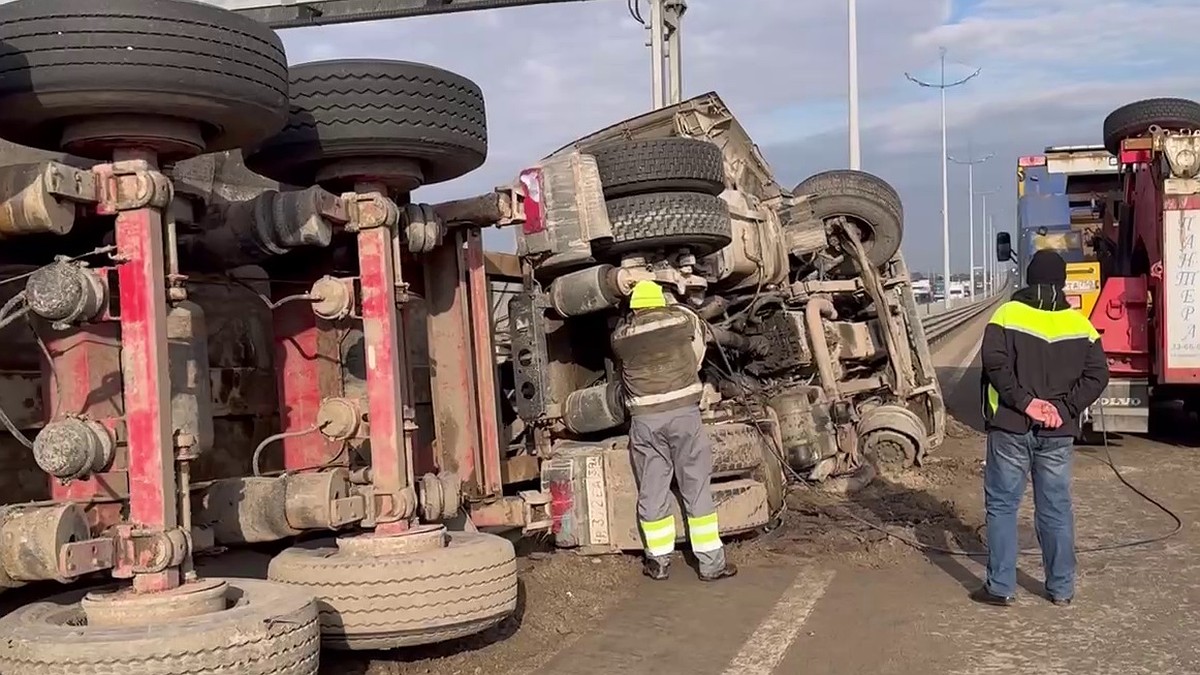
(1050,71)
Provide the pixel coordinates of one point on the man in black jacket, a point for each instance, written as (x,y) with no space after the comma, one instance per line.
(1043,365)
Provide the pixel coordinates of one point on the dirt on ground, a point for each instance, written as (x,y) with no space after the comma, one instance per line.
(563,593)
(560,595)
(938,504)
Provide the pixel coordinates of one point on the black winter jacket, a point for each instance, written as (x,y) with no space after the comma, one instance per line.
(1037,346)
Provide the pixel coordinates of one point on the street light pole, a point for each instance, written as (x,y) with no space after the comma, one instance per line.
(666,49)
(970,164)
(855,147)
(674,11)
(943,86)
(995,272)
(989,237)
(658,52)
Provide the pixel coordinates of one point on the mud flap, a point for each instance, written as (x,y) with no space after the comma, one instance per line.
(1123,408)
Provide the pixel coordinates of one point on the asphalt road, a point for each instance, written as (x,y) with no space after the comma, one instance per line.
(823,595)
(901,611)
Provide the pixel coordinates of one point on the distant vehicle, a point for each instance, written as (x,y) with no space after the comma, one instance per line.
(922,291)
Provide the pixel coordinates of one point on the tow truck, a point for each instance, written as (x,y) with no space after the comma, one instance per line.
(1127,218)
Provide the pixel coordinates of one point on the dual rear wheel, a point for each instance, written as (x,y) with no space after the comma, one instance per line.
(181,79)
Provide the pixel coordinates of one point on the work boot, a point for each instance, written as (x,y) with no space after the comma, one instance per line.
(985,597)
(656,569)
(729,570)
(1061,602)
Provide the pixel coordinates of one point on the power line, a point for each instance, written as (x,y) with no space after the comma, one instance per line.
(943,85)
(636,12)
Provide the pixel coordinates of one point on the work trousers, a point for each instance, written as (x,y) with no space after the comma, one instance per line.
(673,444)
(1009,458)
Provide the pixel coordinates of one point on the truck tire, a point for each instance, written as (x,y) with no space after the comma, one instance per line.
(1135,119)
(270,629)
(866,200)
(660,165)
(742,505)
(691,220)
(376,109)
(386,602)
(71,59)
(736,449)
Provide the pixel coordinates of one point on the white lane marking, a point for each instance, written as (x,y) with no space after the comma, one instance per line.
(770,641)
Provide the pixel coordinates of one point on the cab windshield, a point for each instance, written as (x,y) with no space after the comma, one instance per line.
(1067,244)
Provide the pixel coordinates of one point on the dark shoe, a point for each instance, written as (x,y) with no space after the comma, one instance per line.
(985,597)
(729,570)
(1061,602)
(656,569)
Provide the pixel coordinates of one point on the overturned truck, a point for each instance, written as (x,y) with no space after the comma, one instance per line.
(228,322)
(816,364)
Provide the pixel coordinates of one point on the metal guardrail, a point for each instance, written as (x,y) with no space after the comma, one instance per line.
(928,309)
(942,324)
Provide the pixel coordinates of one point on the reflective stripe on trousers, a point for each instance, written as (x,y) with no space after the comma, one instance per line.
(704,534)
(659,536)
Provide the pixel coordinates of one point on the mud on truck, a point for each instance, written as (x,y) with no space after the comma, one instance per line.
(227,323)
(816,365)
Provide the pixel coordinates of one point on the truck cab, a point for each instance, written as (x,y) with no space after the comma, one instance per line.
(1064,197)
(816,364)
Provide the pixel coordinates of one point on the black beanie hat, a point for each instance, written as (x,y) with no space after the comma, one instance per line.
(1046,267)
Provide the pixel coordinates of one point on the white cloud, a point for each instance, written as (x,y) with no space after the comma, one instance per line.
(1051,70)
(1075,56)
(552,73)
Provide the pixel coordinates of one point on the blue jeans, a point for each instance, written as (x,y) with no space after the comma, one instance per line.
(1009,458)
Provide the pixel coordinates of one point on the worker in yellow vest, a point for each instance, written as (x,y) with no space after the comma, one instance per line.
(659,348)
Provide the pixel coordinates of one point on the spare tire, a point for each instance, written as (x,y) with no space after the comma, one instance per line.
(376,110)
(268,629)
(691,220)
(1135,119)
(660,165)
(74,59)
(866,200)
(397,600)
